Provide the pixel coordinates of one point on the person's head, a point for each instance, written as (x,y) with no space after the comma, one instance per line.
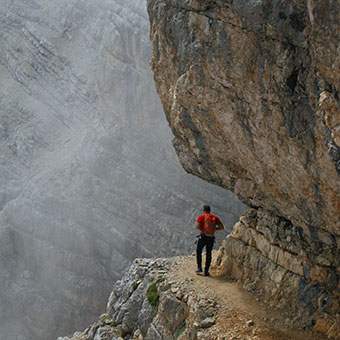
(206,208)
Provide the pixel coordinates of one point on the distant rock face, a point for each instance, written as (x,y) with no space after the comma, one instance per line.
(250,90)
(88,180)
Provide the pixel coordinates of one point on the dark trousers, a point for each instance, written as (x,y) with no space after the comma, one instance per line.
(207,242)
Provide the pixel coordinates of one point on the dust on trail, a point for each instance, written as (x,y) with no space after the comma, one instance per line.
(236,307)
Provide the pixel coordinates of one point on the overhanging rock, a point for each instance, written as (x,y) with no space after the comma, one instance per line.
(250,90)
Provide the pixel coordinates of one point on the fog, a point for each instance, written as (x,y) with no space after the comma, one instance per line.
(88,177)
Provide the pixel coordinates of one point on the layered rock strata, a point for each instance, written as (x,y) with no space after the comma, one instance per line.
(250,90)
(282,263)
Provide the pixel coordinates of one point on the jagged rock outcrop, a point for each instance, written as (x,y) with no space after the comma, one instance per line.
(164,299)
(131,314)
(88,179)
(250,90)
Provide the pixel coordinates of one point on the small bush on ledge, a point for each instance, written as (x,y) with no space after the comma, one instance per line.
(134,285)
(152,293)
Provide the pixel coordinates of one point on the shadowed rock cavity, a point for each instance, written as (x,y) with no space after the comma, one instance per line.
(250,90)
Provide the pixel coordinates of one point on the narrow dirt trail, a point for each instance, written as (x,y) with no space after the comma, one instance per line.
(239,315)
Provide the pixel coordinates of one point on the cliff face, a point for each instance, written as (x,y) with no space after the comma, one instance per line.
(250,90)
(88,177)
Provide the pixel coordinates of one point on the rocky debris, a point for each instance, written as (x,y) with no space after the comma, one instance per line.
(250,323)
(250,91)
(208,322)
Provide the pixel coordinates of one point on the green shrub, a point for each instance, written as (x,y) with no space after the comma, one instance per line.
(113,324)
(152,293)
(109,321)
(178,332)
(106,317)
(134,285)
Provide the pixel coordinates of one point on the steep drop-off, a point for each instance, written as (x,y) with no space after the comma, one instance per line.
(88,179)
(251,92)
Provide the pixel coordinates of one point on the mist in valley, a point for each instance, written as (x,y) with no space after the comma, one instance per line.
(89,179)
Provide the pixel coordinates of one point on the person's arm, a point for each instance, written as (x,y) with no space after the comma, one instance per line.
(199,223)
(220,225)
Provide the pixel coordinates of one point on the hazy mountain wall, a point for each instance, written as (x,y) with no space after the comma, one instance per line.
(88,179)
(251,92)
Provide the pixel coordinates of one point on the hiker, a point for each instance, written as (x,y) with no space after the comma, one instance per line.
(207,224)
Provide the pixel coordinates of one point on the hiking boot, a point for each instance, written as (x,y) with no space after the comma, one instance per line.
(206,274)
(198,270)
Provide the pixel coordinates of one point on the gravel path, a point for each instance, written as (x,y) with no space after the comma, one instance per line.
(238,315)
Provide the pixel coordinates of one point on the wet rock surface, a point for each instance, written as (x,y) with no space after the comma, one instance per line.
(250,90)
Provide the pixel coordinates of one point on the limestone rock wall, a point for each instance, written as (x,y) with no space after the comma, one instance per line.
(257,80)
(282,263)
(250,90)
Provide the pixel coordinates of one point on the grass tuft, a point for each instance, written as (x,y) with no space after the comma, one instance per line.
(152,293)
(134,285)
(178,332)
